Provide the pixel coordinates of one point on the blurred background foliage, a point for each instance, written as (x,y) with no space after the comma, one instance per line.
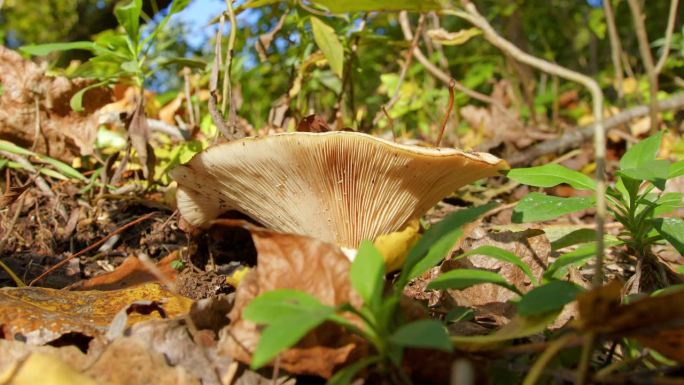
(287,71)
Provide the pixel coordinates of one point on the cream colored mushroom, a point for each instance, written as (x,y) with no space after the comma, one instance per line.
(340,187)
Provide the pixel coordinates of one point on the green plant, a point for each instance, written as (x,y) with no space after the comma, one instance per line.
(178,264)
(381,319)
(636,200)
(121,56)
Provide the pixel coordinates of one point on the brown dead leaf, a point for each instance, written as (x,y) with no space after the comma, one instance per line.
(530,245)
(12,195)
(41,368)
(130,273)
(296,262)
(139,137)
(40,315)
(656,322)
(313,123)
(28,94)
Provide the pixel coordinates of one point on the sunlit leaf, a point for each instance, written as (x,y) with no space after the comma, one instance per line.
(672,229)
(129,18)
(345,6)
(550,297)
(367,274)
(272,305)
(504,256)
(541,207)
(443,37)
(327,40)
(573,238)
(550,175)
(44,49)
(642,152)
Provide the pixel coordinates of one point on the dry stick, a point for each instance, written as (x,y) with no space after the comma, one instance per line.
(228,65)
(474,17)
(668,36)
(407,63)
(91,247)
(390,123)
(575,138)
(615,48)
(452,83)
(647,59)
(188,98)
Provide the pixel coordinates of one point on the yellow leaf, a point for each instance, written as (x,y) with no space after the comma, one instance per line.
(444,37)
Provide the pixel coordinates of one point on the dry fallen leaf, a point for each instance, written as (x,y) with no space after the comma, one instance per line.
(39,315)
(296,262)
(44,369)
(130,273)
(656,322)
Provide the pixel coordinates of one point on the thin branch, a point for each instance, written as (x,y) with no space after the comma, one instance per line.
(668,36)
(574,138)
(615,48)
(647,59)
(448,112)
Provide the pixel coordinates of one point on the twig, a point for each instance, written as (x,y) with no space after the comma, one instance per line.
(91,247)
(38,180)
(188,98)
(668,36)
(615,48)
(408,59)
(6,236)
(574,138)
(390,123)
(536,371)
(227,67)
(647,59)
(452,83)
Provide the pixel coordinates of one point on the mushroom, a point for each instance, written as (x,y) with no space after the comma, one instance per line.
(339,187)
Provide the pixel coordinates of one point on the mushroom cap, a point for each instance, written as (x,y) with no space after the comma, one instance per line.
(340,187)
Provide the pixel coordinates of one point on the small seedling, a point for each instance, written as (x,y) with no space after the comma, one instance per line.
(178,264)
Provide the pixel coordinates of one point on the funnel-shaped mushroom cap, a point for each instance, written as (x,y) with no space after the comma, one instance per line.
(340,187)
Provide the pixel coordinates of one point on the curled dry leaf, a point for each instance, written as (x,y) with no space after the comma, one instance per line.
(130,273)
(29,94)
(444,37)
(302,263)
(656,321)
(39,315)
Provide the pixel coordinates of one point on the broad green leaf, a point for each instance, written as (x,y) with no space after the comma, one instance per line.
(426,334)
(327,40)
(504,256)
(76,101)
(573,238)
(128,17)
(676,169)
(453,38)
(272,305)
(345,6)
(183,61)
(672,229)
(642,152)
(667,203)
(44,49)
(367,274)
(438,241)
(347,374)
(655,171)
(537,207)
(460,279)
(550,175)
(550,297)
(285,332)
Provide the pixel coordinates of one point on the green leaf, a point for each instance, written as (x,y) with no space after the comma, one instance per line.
(504,256)
(576,258)
(574,238)
(62,167)
(676,169)
(285,332)
(272,305)
(460,279)
(655,171)
(76,101)
(327,41)
(672,229)
(642,152)
(185,62)
(438,241)
(667,203)
(367,274)
(453,38)
(551,175)
(426,334)
(176,6)
(550,297)
(128,17)
(256,4)
(459,314)
(518,327)
(347,374)
(44,49)
(337,6)
(541,207)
